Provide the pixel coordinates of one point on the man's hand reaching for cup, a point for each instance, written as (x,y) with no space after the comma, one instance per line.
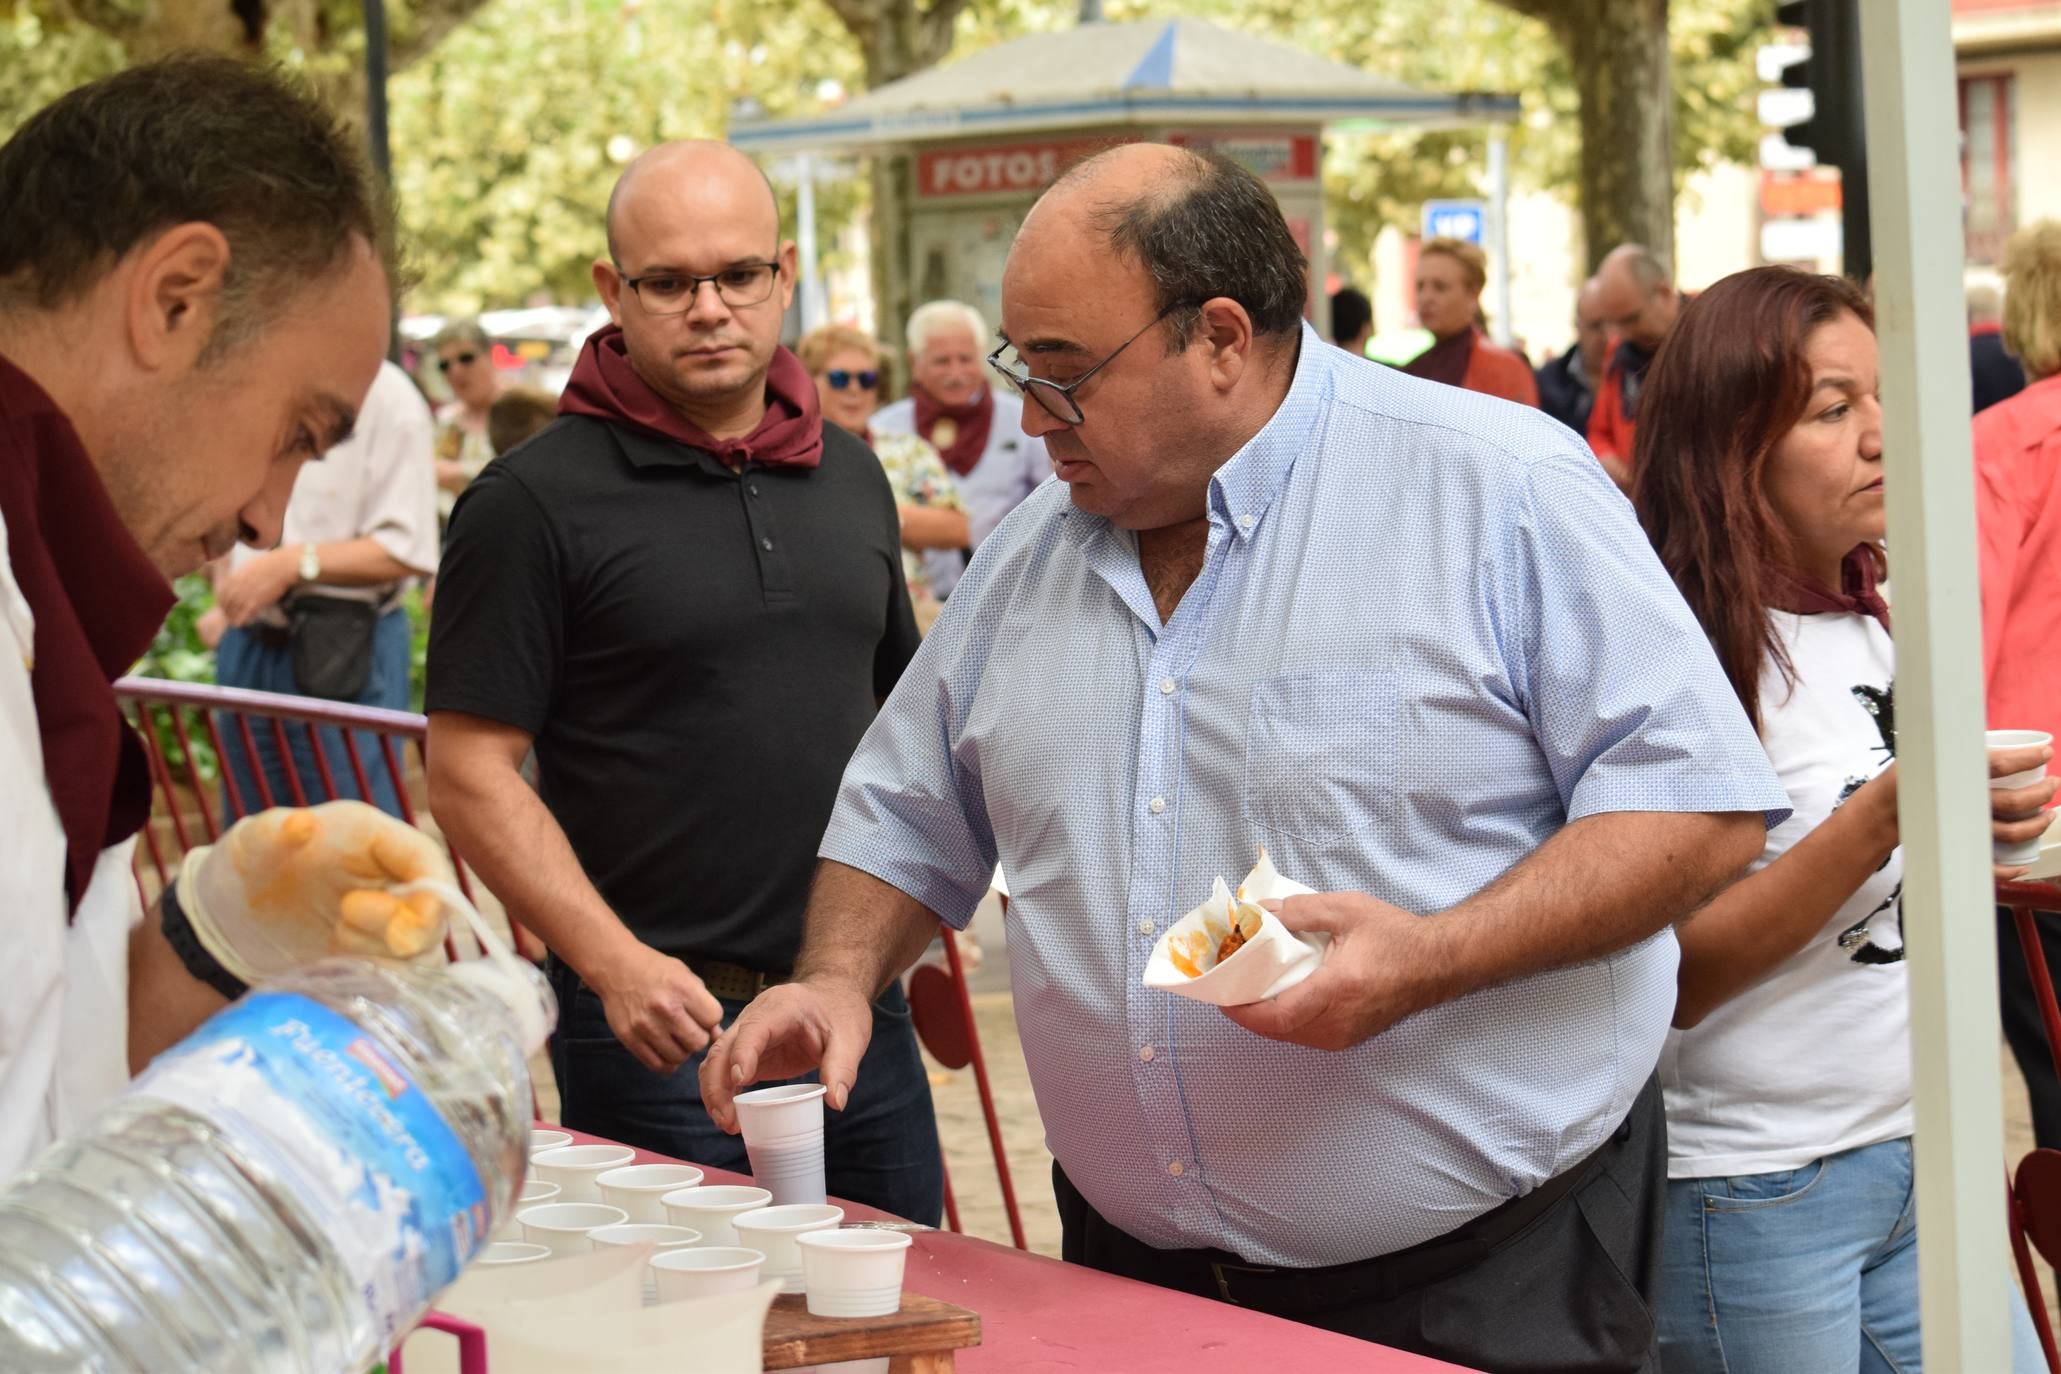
(787,1031)
(1383,964)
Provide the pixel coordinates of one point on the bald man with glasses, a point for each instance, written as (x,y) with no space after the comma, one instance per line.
(687,595)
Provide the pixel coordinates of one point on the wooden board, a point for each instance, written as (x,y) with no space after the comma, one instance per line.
(794,1339)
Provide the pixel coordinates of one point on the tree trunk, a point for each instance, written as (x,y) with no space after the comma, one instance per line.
(893,294)
(1619,52)
(897,38)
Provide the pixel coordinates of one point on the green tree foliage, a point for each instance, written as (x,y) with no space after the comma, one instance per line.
(49,46)
(1374,179)
(509,137)
(502,131)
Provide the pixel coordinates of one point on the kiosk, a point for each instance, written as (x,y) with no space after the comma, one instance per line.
(985,134)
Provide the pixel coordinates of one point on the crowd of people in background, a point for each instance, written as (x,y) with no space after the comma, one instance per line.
(1601,1068)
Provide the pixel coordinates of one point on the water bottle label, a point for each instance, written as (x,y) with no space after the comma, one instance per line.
(349,1132)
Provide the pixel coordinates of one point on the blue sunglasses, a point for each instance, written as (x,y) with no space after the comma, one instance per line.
(839,379)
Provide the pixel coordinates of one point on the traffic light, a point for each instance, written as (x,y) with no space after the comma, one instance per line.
(1836,130)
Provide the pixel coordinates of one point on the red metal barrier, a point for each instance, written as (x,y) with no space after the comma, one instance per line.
(2033,1204)
(181,799)
(942,1010)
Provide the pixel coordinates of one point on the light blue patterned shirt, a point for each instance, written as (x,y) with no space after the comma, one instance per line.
(1428,634)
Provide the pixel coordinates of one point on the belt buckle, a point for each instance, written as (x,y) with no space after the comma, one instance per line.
(1222,1271)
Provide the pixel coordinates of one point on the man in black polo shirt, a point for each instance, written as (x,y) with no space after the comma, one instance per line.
(686,593)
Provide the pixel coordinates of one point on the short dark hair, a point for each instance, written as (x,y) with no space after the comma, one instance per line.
(188,139)
(1212,229)
(516,414)
(1351,312)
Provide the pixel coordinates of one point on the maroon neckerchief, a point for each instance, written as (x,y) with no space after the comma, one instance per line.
(605,385)
(970,422)
(1445,361)
(97,600)
(1789,590)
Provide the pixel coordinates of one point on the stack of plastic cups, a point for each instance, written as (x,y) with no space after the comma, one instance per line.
(783,1135)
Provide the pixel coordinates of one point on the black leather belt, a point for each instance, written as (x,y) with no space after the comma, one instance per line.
(1280,1290)
(734,982)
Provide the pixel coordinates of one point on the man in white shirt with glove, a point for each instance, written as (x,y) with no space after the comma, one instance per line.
(186,315)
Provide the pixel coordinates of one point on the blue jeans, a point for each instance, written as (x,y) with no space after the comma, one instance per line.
(265,664)
(881,1150)
(1801,1271)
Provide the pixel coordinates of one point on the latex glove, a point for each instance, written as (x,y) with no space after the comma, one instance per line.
(292,885)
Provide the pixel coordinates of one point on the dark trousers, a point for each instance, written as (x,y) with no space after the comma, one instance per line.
(2022,1028)
(881,1150)
(1566,1292)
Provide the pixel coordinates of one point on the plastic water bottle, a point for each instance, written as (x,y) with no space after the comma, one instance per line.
(287,1190)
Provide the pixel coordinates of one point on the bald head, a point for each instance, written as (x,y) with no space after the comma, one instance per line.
(1196,223)
(1636,296)
(697,277)
(1128,172)
(705,181)
(1633,263)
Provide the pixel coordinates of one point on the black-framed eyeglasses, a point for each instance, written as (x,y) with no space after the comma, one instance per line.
(673,293)
(840,378)
(466,359)
(1056,398)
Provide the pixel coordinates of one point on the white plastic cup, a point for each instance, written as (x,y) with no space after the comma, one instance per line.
(574,1168)
(541,1140)
(773,1231)
(565,1226)
(2026,851)
(783,1135)
(712,1211)
(659,1236)
(855,1273)
(706,1272)
(535,1193)
(511,1252)
(638,1188)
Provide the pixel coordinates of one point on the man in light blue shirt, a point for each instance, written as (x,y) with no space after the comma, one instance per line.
(1412,641)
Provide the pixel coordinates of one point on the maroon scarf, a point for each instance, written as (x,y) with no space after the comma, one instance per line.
(970,425)
(1445,361)
(97,600)
(605,385)
(1790,590)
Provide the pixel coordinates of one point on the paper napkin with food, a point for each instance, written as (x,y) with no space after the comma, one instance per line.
(1230,950)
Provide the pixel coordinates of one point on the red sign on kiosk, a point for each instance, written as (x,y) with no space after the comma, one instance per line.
(999,170)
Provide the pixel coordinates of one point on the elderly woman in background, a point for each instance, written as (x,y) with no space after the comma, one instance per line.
(846,365)
(465,357)
(2018,524)
(1450,276)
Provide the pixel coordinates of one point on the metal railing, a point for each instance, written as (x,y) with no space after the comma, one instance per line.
(253,736)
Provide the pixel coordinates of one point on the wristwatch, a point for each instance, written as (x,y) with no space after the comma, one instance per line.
(311,562)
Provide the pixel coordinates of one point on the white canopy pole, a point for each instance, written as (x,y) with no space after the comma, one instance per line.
(1943,800)
(812,311)
(1499,231)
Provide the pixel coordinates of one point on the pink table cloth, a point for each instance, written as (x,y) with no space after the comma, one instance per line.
(1041,1316)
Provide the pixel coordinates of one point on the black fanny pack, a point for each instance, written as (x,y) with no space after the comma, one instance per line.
(331,641)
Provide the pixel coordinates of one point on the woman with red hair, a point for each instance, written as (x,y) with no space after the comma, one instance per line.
(1791,1240)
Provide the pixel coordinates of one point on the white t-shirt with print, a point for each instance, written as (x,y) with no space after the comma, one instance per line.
(1814,1058)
